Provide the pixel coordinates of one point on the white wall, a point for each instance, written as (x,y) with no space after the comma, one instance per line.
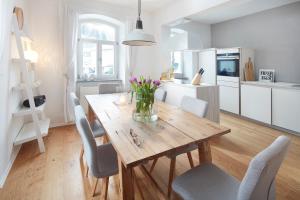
(45,32)
(43,19)
(47,42)
(273,34)
(177,42)
(177,9)
(9,100)
(199,34)
(195,35)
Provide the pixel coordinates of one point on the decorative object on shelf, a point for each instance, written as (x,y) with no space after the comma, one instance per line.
(144,99)
(267,75)
(20,18)
(249,71)
(138,37)
(197,78)
(38,100)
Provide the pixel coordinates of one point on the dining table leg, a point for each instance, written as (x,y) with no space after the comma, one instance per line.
(91,114)
(204,152)
(126,182)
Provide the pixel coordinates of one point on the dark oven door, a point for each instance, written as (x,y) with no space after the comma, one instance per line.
(228,66)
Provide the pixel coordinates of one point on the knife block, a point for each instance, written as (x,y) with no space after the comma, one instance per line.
(197,79)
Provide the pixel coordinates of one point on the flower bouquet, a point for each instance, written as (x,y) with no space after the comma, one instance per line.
(144,90)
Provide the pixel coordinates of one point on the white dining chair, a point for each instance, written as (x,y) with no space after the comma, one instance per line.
(102,160)
(160,94)
(210,182)
(197,107)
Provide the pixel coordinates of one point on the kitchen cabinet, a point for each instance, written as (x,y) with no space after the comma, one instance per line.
(286,108)
(229,99)
(229,94)
(256,103)
(206,92)
(207,61)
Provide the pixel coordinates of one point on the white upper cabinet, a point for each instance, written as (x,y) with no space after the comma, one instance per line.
(286,108)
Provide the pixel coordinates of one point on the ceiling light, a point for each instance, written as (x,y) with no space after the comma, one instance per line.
(138,37)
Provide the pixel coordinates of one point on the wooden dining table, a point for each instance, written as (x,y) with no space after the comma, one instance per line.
(137,142)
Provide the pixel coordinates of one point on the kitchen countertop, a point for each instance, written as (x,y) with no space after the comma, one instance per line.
(295,86)
(186,84)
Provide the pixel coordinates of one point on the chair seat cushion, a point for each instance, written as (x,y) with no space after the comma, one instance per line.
(187,149)
(97,128)
(107,161)
(205,182)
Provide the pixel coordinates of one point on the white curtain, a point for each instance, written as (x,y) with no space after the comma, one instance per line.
(70,39)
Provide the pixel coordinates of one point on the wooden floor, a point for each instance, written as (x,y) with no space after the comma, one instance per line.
(57,174)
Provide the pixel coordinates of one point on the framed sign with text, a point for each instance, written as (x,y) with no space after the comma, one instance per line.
(267,75)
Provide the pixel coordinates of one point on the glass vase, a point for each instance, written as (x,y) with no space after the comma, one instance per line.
(144,108)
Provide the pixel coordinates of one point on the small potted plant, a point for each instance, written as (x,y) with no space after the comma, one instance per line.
(144,90)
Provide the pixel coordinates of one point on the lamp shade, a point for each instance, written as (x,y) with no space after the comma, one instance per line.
(139,38)
(31,55)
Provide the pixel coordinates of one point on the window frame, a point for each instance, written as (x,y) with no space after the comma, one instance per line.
(99,75)
(181,68)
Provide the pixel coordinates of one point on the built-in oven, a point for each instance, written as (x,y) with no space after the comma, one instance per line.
(228,64)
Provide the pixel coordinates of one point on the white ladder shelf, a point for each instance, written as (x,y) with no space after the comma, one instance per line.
(38,128)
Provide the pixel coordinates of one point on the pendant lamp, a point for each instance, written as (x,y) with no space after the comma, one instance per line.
(138,37)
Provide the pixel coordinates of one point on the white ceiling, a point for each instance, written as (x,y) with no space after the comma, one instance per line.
(236,8)
(148,5)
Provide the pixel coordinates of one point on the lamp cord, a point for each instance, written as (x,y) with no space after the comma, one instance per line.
(139,9)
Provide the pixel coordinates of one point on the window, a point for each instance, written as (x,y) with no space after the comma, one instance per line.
(177,61)
(97,50)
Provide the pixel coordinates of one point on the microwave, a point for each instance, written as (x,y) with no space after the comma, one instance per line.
(228,64)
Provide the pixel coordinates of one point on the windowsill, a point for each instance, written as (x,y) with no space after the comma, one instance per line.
(97,81)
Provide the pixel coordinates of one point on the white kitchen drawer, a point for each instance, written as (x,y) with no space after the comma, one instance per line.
(229,99)
(286,108)
(228,50)
(256,103)
(228,78)
(228,83)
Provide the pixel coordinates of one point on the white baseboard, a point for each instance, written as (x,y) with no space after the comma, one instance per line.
(4,175)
